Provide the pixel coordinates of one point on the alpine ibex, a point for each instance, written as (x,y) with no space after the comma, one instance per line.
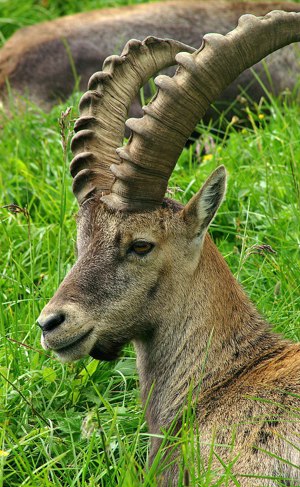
(88,38)
(148,272)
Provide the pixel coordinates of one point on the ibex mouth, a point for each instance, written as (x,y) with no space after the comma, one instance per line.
(71,345)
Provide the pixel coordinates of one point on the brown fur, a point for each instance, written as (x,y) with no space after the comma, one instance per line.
(169,303)
(36,63)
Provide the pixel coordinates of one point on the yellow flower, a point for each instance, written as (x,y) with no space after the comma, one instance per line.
(261,116)
(3,453)
(207,157)
(234,119)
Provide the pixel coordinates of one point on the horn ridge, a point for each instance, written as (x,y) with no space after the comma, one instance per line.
(159,136)
(104,109)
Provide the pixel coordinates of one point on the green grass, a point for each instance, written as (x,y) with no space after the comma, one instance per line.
(82,424)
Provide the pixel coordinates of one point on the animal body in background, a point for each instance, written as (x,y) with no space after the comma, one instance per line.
(148,272)
(36,60)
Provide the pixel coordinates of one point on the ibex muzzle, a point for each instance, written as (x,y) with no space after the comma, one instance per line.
(148,272)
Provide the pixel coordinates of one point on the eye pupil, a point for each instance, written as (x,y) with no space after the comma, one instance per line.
(141,248)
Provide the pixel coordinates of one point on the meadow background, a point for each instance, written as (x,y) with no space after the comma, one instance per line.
(82,424)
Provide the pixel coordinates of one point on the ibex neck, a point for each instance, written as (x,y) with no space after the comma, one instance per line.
(211,335)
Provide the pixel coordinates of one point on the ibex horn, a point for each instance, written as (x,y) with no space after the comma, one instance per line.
(104,109)
(158,138)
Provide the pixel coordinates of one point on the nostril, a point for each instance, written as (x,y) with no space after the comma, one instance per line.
(51,322)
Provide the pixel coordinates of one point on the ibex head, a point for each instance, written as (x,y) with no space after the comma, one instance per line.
(131,267)
(138,252)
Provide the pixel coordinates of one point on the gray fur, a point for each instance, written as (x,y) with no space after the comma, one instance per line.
(37,65)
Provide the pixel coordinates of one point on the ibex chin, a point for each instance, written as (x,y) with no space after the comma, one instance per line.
(148,272)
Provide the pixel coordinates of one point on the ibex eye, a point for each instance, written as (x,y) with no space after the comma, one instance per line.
(141,247)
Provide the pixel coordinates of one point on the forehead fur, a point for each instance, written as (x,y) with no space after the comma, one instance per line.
(95,217)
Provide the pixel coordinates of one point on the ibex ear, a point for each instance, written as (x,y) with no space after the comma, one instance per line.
(201,209)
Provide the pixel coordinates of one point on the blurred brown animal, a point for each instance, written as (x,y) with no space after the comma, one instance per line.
(36,60)
(148,272)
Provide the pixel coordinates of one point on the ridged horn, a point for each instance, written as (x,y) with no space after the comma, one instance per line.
(157,139)
(104,109)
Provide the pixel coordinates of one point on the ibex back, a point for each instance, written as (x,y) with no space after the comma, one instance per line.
(51,50)
(148,272)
